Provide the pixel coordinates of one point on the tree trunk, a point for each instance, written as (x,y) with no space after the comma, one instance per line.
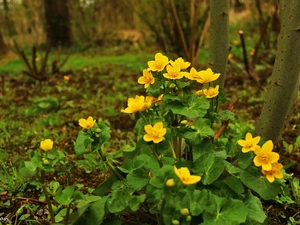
(57,24)
(285,80)
(219,37)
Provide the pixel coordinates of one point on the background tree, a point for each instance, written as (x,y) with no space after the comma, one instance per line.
(219,37)
(285,79)
(57,22)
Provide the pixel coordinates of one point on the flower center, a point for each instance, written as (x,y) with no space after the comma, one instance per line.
(264,158)
(154,133)
(248,145)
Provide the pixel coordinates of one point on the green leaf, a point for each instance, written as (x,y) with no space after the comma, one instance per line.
(105,186)
(64,197)
(105,133)
(135,202)
(245,159)
(235,184)
(210,166)
(131,164)
(83,139)
(222,211)
(201,104)
(232,169)
(119,202)
(203,127)
(260,185)
(198,202)
(255,209)
(138,179)
(180,109)
(96,212)
(30,166)
(225,115)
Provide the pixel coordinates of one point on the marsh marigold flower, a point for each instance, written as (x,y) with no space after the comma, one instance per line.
(193,74)
(249,144)
(211,92)
(146,79)
(184,175)
(46,145)
(174,73)
(159,63)
(264,156)
(275,172)
(137,104)
(206,76)
(181,63)
(155,133)
(87,123)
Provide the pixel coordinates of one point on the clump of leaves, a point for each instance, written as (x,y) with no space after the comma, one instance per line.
(180,171)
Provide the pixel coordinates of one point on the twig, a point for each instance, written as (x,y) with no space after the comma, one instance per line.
(246,62)
(179,28)
(22,198)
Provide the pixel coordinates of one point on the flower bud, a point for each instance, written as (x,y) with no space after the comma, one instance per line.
(184,211)
(184,122)
(175,222)
(97,135)
(170,183)
(172,85)
(45,161)
(98,130)
(193,127)
(188,218)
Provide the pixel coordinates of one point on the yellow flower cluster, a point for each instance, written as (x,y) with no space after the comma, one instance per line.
(173,72)
(264,156)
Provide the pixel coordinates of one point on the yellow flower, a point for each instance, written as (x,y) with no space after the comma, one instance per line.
(159,63)
(264,156)
(200,92)
(211,92)
(87,123)
(146,79)
(185,176)
(249,144)
(66,78)
(274,172)
(46,145)
(137,104)
(173,72)
(206,76)
(181,63)
(193,74)
(170,183)
(155,133)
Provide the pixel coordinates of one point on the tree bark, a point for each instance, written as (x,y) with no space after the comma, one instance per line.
(57,23)
(285,79)
(219,37)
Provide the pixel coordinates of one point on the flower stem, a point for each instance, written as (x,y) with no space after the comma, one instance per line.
(42,180)
(172,150)
(111,166)
(157,156)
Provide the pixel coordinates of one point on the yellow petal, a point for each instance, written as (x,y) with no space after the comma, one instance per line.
(242,143)
(270,178)
(248,137)
(268,146)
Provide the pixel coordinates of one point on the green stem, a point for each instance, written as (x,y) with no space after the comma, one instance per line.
(157,156)
(111,166)
(42,179)
(172,149)
(67,215)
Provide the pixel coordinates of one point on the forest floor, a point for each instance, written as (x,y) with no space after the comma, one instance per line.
(32,110)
